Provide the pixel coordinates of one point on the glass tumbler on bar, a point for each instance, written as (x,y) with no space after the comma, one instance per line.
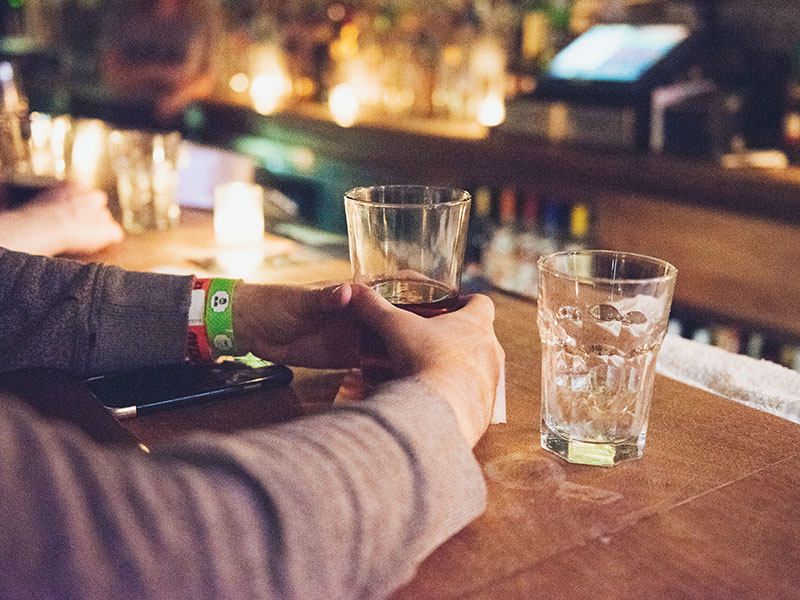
(407,242)
(146,168)
(602,316)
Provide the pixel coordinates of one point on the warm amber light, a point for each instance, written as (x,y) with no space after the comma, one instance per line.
(452,56)
(239,83)
(268,90)
(239,227)
(344,105)
(87,150)
(270,84)
(48,144)
(238,214)
(492,111)
(304,87)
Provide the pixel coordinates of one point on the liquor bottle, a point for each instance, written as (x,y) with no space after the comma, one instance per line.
(755,345)
(560,13)
(500,262)
(578,228)
(553,226)
(727,338)
(702,334)
(544,30)
(480,234)
(675,327)
(480,226)
(788,356)
(534,39)
(528,246)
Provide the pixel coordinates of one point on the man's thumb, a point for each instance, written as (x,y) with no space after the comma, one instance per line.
(372,308)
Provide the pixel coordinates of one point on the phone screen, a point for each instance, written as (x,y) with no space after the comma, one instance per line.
(139,391)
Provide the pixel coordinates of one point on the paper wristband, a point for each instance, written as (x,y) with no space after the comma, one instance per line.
(197,348)
(219,321)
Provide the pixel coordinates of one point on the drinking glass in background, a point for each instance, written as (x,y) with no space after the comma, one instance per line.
(145,165)
(25,142)
(12,99)
(34,154)
(602,316)
(407,242)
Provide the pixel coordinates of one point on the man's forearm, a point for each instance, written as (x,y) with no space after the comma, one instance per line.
(339,505)
(88,318)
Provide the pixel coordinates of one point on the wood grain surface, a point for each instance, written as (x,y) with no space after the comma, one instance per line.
(712,510)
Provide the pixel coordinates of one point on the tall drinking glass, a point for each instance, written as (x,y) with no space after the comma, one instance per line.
(146,168)
(33,154)
(602,316)
(407,242)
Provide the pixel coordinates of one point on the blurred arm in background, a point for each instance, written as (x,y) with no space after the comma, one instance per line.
(64,218)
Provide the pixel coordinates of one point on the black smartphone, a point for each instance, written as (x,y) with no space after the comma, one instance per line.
(60,397)
(142,391)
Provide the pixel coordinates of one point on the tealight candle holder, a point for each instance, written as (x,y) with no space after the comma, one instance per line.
(238,214)
(239,226)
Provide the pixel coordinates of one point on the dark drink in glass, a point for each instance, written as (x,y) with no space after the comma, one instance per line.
(424,298)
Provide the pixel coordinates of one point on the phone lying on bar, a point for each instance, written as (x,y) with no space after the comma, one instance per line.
(141,391)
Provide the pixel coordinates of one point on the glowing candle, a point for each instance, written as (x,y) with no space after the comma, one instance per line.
(492,111)
(87,151)
(344,105)
(238,214)
(270,85)
(239,227)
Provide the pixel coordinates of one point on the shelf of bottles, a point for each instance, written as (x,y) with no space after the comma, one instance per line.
(368,60)
(510,228)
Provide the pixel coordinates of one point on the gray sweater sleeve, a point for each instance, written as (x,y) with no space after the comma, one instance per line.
(88,318)
(342,505)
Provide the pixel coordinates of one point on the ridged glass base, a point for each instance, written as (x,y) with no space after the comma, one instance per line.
(591,453)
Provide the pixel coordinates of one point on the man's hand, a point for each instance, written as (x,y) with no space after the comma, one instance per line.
(456,354)
(295,325)
(65,218)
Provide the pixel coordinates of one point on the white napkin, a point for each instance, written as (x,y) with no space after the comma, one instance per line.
(499,410)
(757,383)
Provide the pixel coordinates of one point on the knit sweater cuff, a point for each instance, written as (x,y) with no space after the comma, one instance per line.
(140,319)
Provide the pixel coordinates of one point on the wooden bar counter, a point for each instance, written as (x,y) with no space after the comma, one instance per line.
(712,510)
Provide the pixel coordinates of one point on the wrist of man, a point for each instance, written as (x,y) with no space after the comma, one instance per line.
(245,305)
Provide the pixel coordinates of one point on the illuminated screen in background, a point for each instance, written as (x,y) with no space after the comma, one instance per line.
(616,52)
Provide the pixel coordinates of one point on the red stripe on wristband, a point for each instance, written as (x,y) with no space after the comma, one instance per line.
(197,346)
